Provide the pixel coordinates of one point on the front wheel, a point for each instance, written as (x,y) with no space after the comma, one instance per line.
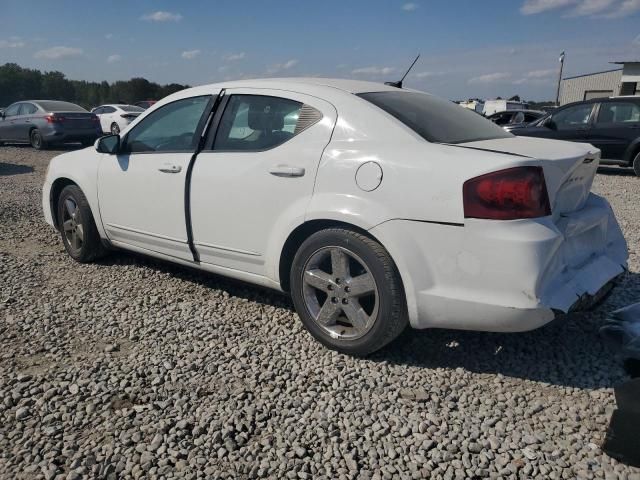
(636,165)
(79,232)
(348,292)
(37,142)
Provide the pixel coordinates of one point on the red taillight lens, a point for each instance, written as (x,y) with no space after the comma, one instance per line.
(54,119)
(510,194)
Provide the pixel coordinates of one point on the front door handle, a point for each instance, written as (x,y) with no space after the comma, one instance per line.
(287,171)
(170,169)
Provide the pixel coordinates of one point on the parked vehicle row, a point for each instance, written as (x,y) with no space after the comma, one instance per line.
(509,119)
(48,122)
(42,123)
(374,207)
(610,124)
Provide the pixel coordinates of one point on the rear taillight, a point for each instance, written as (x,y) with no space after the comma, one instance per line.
(128,116)
(52,118)
(510,194)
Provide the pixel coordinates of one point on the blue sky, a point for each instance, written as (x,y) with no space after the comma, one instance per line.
(469,48)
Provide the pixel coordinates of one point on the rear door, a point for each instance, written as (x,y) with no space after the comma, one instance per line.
(617,125)
(571,123)
(256,177)
(141,190)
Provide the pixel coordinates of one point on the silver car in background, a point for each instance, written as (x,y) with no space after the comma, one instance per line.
(46,122)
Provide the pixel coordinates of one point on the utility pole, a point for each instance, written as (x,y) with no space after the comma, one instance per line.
(561,59)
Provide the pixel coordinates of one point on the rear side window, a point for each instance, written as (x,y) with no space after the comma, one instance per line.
(28,109)
(55,106)
(257,122)
(434,119)
(619,112)
(108,109)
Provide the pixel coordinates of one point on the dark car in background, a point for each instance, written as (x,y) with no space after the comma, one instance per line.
(610,124)
(145,103)
(509,119)
(46,122)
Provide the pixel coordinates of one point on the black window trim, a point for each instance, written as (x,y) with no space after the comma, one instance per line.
(198,132)
(215,125)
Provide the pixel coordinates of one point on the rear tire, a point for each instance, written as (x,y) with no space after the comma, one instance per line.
(78,229)
(36,140)
(348,292)
(636,164)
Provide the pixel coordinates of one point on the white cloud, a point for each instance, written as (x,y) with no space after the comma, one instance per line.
(531,7)
(628,7)
(428,74)
(373,71)
(538,77)
(592,7)
(190,54)
(279,67)
(161,16)
(490,78)
(108,36)
(232,57)
(13,42)
(409,7)
(55,53)
(636,41)
(114,58)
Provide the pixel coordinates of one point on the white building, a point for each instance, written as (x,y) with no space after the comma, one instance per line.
(610,83)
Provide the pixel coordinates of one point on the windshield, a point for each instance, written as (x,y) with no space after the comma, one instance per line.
(55,106)
(434,119)
(131,108)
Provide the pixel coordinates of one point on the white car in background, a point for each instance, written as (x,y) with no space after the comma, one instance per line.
(116,117)
(374,207)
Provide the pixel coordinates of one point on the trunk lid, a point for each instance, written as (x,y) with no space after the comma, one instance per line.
(77,120)
(569,168)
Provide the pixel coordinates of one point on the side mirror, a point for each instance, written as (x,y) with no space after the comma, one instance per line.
(2,114)
(109,144)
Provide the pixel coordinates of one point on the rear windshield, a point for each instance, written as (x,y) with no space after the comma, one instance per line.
(131,108)
(434,119)
(55,106)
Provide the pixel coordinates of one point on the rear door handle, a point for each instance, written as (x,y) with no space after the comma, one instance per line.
(287,171)
(170,169)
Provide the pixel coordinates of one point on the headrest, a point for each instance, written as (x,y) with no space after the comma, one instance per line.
(264,116)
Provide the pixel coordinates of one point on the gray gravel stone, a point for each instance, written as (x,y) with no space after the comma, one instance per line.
(132,368)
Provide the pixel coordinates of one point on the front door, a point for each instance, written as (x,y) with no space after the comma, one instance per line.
(617,125)
(257,177)
(141,190)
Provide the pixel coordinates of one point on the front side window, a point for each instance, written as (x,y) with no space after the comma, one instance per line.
(173,127)
(434,119)
(256,122)
(619,112)
(13,110)
(573,117)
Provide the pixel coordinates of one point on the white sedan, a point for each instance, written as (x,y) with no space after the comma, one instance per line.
(116,117)
(374,207)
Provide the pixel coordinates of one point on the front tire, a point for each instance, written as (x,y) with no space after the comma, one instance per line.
(36,140)
(348,292)
(115,129)
(78,229)
(636,164)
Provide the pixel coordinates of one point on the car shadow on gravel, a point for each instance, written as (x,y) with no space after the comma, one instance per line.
(620,171)
(7,169)
(568,351)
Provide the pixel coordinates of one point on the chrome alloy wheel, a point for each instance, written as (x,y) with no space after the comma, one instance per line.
(340,293)
(72,224)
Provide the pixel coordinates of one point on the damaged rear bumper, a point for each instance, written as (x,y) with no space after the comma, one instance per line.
(506,276)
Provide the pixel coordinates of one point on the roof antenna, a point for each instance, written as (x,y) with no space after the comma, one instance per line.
(398,84)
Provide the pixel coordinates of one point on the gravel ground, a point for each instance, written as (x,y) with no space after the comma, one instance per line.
(133,368)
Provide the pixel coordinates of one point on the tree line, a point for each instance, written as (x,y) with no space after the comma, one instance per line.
(17,83)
